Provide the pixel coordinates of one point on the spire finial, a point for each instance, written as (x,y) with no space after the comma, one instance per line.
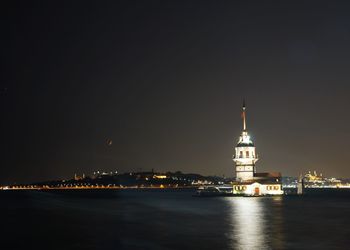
(243,116)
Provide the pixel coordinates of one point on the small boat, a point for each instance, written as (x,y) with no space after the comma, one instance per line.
(213,191)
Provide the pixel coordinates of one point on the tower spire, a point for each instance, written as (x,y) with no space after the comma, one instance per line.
(243,116)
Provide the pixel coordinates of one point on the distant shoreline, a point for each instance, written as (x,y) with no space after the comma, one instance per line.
(95,188)
(144,188)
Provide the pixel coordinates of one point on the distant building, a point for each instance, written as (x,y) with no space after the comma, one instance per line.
(314,180)
(248,181)
(79,178)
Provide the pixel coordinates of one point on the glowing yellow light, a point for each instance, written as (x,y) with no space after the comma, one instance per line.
(160,176)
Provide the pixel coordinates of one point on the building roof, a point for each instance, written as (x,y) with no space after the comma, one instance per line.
(268,175)
(262,178)
(269,181)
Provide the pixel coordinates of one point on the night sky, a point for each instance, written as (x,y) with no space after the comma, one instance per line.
(165,80)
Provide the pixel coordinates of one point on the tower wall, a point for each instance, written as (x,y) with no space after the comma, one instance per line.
(245,159)
(244,176)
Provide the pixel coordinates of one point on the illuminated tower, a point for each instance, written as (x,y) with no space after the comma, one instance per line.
(245,157)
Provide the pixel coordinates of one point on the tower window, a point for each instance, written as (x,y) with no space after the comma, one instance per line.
(240,154)
(247,154)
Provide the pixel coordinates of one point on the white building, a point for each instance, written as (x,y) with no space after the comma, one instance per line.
(248,181)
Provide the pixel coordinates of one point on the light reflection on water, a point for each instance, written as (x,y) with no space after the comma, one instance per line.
(250,220)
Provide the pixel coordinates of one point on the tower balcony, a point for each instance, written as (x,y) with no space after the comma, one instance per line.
(245,160)
(244,157)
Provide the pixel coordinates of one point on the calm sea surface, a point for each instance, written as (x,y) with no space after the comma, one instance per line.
(166,219)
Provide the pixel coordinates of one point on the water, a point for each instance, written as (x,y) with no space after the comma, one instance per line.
(167,219)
